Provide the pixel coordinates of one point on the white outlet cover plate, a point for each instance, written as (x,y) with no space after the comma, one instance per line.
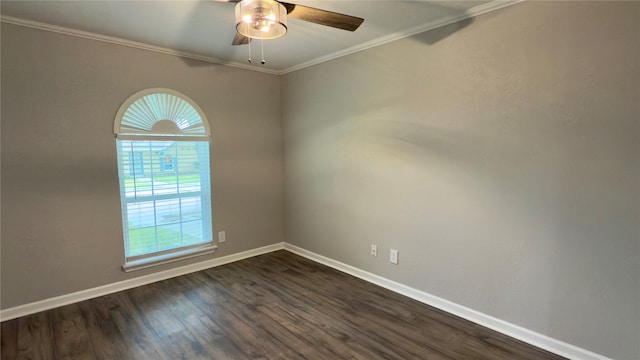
(393,256)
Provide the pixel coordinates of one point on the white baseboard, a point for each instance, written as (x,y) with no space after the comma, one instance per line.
(32,308)
(541,341)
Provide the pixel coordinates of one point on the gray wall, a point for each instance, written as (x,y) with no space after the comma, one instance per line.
(61,220)
(499,156)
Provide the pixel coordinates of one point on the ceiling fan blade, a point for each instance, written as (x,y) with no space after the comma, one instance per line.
(233,1)
(322,17)
(240,39)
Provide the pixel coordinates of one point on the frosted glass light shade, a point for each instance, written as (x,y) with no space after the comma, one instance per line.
(261,19)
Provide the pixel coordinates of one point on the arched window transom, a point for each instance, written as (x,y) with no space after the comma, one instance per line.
(160,112)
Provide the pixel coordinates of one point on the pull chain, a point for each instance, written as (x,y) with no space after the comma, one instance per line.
(263,61)
(249,44)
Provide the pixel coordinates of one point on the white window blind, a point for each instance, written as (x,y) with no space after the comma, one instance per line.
(164,210)
(165,188)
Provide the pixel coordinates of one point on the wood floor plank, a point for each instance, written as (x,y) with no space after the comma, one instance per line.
(274,306)
(203,329)
(141,339)
(107,341)
(353,330)
(35,339)
(177,339)
(233,314)
(9,340)
(70,334)
(449,336)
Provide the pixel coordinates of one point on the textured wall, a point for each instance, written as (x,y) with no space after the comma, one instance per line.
(61,220)
(500,156)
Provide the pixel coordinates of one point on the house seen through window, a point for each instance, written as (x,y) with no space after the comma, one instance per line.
(162,140)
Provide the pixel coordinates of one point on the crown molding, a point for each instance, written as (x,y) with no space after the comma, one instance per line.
(473,12)
(129,43)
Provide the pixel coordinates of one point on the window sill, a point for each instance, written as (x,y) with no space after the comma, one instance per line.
(167,258)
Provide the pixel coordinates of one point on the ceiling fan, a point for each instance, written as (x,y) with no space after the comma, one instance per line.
(267,19)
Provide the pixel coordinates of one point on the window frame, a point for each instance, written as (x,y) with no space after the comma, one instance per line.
(189,125)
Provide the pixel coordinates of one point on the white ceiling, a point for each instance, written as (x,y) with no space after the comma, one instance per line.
(204,29)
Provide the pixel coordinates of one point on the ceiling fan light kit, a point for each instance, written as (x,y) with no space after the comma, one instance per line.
(267,19)
(261,19)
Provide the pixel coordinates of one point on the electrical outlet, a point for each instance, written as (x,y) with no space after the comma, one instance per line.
(393,256)
(374,250)
(222,236)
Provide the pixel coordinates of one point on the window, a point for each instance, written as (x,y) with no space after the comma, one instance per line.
(138,164)
(162,140)
(167,163)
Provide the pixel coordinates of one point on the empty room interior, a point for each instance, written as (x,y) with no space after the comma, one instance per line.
(450,180)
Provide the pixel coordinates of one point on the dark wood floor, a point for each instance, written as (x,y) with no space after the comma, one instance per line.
(274,306)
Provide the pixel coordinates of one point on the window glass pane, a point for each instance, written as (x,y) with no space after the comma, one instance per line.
(191,208)
(168,211)
(192,231)
(169,236)
(141,241)
(140,214)
(165,195)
